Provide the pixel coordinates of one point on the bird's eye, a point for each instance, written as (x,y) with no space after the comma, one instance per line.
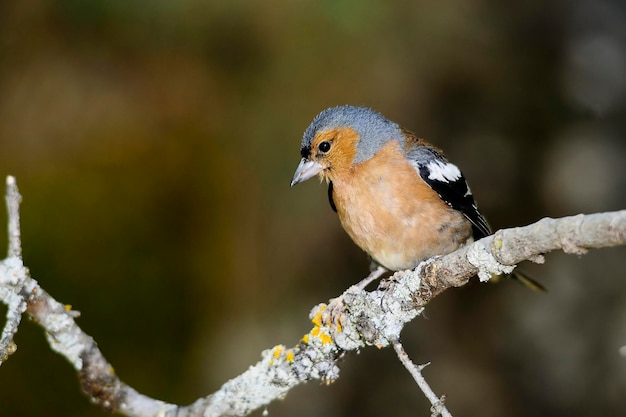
(324,146)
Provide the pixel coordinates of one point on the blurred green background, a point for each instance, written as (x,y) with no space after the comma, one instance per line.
(154,142)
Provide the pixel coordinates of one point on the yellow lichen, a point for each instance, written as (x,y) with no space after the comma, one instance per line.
(315,331)
(317,318)
(278,350)
(325,338)
(305,339)
(68,307)
(289,356)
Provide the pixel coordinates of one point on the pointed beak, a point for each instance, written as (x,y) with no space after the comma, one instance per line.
(307,169)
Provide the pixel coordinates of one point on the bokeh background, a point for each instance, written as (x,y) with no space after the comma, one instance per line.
(154,142)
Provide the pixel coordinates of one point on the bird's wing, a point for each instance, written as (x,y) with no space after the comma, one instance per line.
(446,179)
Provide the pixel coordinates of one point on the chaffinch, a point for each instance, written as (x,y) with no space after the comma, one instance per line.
(397,196)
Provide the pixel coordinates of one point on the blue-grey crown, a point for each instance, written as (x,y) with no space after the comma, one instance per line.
(373,128)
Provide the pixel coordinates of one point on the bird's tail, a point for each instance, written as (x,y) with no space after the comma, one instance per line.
(523,279)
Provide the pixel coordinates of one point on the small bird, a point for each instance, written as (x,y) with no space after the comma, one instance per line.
(397,196)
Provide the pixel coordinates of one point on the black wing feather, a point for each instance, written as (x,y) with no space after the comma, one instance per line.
(455,192)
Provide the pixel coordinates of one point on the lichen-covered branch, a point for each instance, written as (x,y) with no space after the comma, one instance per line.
(356,319)
(13,285)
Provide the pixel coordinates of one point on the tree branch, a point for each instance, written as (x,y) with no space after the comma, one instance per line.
(350,322)
(438,407)
(14,287)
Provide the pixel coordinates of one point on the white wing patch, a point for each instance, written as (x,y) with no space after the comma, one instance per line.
(443,171)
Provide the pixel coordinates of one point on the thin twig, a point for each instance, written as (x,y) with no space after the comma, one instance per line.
(13,275)
(438,406)
(13,200)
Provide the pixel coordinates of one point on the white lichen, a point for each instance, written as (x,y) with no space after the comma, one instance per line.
(14,287)
(63,334)
(487,265)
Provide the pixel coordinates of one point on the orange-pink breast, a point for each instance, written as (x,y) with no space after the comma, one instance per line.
(393,215)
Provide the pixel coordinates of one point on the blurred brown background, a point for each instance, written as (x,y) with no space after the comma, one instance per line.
(154,143)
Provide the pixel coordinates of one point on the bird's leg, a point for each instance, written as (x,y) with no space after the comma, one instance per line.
(373,276)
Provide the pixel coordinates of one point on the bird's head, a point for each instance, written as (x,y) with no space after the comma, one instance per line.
(341,137)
